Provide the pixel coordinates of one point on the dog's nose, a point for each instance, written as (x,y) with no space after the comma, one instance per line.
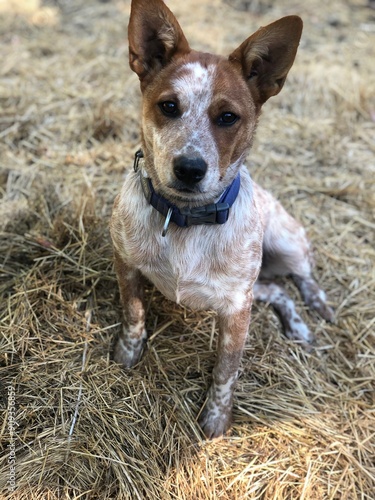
(190,171)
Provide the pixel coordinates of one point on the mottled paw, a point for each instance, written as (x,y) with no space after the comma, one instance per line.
(324,311)
(296,329)
(214,420)
(128,351)
(314,297)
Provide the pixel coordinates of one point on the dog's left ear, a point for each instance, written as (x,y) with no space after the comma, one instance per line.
(267,56)
(155,37)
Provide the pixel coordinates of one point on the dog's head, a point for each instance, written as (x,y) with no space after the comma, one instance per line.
(200,110)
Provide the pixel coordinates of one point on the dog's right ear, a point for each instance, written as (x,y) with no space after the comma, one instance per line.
(155,37)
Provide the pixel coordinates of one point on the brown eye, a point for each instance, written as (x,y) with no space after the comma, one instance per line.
(227,119)
(169,108)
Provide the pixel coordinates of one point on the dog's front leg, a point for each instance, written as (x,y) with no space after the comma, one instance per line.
(129,346)
(216,416)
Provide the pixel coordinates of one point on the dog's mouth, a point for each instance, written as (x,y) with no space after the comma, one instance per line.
(185,192)
(185,196)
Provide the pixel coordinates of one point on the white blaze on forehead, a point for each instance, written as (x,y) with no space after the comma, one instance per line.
(194,87)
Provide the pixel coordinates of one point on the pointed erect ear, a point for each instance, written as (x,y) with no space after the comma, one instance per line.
(155,37)
(267,56)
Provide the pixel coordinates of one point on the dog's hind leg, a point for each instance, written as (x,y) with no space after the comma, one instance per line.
(286,252)
(275,295)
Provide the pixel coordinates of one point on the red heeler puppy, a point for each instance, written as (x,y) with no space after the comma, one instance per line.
(189,217)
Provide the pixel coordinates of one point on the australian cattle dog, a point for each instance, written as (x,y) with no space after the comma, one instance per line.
(189,217)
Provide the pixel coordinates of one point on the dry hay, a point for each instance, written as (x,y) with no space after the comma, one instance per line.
(304,423)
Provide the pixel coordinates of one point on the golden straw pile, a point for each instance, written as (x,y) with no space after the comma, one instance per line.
(304,422)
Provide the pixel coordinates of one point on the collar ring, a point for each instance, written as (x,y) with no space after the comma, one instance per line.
(167,221)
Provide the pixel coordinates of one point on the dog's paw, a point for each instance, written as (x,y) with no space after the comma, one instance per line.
(315,298)
(214,421)
(317,301)
(296,329)
(324,311)
(128,351)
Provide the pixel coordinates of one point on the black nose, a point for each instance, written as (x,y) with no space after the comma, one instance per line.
(190,171)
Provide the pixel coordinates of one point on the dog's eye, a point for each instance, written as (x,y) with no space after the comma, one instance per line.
(227,119)
(169,108)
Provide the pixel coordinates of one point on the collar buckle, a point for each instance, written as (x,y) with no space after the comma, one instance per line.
(204,215)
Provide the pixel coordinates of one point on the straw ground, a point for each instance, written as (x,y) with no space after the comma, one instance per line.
(77,426)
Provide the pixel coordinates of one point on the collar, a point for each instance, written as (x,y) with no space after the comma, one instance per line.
(215,213)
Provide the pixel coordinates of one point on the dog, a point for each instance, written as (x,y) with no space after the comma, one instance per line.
(189,218)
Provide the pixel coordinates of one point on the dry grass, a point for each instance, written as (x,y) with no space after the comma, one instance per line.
(304,423)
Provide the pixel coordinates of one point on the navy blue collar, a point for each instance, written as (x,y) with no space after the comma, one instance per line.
(215,213)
